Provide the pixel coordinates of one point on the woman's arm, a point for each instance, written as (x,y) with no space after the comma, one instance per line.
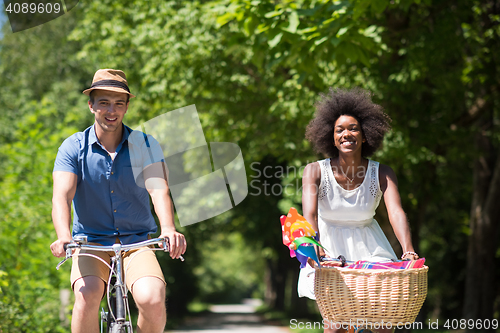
(310,187)
(397,217)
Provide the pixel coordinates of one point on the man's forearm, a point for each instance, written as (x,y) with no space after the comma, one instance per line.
(61,217)
(164,209)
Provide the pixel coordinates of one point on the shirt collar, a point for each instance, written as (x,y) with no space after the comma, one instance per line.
(93,136)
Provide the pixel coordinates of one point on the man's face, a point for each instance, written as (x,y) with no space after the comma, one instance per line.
(109,107)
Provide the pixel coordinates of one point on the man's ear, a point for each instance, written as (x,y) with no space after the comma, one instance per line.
(91,107)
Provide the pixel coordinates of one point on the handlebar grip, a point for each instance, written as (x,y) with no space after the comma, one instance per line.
(67,245)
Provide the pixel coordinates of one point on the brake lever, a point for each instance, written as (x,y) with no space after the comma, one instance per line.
(166,247)
(69,254)
(62,262)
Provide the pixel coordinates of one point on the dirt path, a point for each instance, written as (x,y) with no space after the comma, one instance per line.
(239,318)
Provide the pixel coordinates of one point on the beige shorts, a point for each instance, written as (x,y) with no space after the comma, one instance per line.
(143,264)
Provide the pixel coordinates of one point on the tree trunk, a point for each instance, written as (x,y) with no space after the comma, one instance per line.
(276,273)
(480,282)
(480,286)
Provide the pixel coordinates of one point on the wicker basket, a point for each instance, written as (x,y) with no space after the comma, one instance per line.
(375,296)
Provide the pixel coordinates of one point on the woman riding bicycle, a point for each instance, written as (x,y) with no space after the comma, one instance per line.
(341,193)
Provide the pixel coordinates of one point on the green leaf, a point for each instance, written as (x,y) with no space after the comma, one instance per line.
(319,41)
(249,26)
(262,28)
(275,41)
(370,31)
(224,19)
(342,31)
(294,23)
(274,13)
(307,30)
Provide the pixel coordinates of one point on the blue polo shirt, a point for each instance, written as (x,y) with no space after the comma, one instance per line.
(109,203)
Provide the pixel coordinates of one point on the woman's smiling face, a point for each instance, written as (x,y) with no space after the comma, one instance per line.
(347,135)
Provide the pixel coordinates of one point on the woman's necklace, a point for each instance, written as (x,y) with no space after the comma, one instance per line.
(349,179)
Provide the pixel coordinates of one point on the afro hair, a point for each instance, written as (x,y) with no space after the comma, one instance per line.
(356,103)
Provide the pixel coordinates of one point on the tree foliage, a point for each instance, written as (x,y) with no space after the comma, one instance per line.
(428,69)
(36,118)
(254,69)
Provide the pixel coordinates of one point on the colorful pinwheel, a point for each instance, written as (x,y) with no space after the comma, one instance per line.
(299,236)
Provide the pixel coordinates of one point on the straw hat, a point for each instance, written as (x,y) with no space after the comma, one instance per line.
(109,79)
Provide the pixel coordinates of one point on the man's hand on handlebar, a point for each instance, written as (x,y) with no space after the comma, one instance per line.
(177,242)
(57,247)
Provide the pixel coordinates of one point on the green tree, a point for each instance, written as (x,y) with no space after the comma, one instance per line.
(254,70)
(36,118)
(26,232)
(436,76)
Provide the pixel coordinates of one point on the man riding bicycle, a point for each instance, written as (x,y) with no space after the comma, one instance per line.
(93,169)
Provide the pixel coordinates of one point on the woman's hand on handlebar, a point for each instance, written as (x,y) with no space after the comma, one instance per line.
(57,247)
(177,242)
(321,254)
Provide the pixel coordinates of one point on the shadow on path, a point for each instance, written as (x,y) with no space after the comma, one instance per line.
(239,318)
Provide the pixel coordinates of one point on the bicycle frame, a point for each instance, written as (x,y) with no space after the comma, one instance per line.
(116,318)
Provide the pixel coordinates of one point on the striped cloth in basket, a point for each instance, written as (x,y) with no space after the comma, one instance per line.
(361,264)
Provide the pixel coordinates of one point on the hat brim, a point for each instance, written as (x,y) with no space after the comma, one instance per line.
(115,89)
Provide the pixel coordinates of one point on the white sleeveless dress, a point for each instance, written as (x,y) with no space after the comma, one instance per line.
(346,224)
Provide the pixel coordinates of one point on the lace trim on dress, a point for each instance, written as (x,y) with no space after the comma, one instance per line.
(374,190)
(325,184)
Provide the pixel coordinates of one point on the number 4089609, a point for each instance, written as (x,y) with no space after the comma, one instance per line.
(472,324)
(33,8)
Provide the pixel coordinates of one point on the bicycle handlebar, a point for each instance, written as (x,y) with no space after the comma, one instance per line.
(77,245)
(115,247)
